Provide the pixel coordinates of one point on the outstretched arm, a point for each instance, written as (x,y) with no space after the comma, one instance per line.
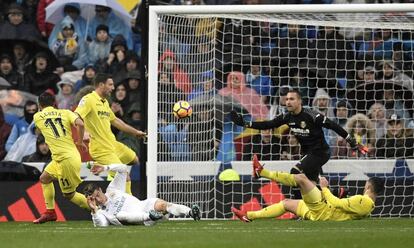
(261,125)
(327,123)
(121,125)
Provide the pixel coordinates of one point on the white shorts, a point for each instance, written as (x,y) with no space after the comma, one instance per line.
(147,205)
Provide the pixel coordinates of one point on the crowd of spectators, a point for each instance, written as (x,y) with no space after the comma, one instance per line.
(254,65)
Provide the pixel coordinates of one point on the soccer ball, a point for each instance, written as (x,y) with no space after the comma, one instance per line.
(182,109)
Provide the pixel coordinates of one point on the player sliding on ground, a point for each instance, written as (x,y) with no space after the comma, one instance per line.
(316,204)
(115,207)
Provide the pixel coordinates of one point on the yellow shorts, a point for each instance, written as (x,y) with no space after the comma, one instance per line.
(67,173)
(121,155)
(313,206)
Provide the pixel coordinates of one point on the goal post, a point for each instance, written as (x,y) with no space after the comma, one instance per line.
(192,48)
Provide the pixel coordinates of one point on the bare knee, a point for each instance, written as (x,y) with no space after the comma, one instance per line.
(160,205)
(69,195)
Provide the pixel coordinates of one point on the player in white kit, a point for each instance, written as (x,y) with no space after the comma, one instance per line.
(115,207)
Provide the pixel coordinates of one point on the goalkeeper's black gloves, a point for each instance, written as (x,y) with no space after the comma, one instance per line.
(238,119)
(355,146)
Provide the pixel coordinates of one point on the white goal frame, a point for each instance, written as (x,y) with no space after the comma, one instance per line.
(155,11)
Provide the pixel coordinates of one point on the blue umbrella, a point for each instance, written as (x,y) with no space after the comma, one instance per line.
(54,12)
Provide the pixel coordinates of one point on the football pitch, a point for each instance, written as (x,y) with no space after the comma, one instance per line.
(264,233)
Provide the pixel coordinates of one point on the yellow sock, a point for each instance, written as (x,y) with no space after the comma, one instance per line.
(49,195)
(271,211)
(128,187)
(280,177)
(80,200)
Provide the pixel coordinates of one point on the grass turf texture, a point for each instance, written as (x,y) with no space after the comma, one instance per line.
(264,233)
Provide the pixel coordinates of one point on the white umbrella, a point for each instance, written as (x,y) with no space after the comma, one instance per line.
(54,12)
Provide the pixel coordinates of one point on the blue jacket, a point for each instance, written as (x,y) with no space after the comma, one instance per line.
(80,28)
(18,129)
(116,26)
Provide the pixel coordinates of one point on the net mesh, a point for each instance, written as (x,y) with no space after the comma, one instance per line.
(354,68)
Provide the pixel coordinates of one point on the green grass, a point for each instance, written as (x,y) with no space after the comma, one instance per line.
(267,233)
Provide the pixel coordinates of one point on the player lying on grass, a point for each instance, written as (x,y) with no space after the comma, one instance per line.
(116,207)
(316,204)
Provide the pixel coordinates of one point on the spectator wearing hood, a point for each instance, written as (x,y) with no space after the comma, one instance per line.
(398,142)
(120,100)
(104,15)
(42,153)
(5,130)
(21,126)
(100,47)
(15,26)
(168,64)
(44,27)
(8,72)
(237,89)
(322,104)
(88,75)
(73,11)
(113,64)
(69,49)
(66,95)
(39,76)
(133,84)
(20,56)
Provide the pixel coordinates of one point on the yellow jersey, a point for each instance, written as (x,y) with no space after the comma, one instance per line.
(97,116)
(352,208)
(55,125)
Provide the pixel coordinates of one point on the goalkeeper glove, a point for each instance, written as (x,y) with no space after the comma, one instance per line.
(356,147)
(238,119)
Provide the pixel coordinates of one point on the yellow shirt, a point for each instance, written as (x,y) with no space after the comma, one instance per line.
(354,207)
(97,116)
(55,125)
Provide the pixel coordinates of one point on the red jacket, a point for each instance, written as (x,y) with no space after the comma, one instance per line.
(41,17)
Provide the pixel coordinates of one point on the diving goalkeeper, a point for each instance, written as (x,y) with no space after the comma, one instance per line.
(306,125)
(116,207)
(317,205)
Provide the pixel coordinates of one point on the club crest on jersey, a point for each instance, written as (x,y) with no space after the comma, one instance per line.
(302,124)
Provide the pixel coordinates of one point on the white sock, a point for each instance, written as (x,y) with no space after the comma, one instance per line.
(132,218)
(177,209)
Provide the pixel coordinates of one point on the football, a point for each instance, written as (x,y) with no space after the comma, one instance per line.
(182,109)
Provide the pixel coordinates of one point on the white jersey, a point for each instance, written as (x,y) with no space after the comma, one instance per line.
(120,206)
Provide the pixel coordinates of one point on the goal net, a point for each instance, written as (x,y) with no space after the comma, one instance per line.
(354,67)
